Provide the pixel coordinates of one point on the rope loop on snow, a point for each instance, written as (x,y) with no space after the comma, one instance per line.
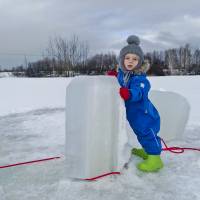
(177,149)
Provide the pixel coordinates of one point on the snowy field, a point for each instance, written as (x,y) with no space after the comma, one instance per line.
(32,114)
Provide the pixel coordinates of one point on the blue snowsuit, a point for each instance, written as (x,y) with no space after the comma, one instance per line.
(141,114)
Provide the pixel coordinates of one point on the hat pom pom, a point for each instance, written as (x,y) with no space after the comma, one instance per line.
(133,39)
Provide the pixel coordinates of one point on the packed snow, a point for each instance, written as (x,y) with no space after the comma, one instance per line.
(32,126)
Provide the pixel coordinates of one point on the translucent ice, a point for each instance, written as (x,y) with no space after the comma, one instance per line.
(94,123)
(174,112)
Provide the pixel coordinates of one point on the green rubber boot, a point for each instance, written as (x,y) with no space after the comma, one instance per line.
(152,164)
(140,153)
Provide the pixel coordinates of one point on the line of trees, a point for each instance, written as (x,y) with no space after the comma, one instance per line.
(177,61)
(71,57)
(68,58)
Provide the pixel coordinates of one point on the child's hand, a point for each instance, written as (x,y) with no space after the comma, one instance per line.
(124,93)
(112,73)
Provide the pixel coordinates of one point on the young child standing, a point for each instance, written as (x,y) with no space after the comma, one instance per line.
(141,114)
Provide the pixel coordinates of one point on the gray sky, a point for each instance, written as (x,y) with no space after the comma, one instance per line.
(27,25)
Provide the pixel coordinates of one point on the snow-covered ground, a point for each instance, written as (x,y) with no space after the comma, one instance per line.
(6,74)
(32,127)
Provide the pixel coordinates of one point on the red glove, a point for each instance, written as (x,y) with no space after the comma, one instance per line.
(124,93)
(112,73)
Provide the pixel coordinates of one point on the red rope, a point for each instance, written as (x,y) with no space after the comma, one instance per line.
(52,158)
(177,149)
(29,162)
(171,149)
(101,176)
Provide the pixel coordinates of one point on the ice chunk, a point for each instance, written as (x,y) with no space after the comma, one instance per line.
(174,113)
(95,126)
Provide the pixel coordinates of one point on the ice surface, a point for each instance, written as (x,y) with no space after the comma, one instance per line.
(40,133)
(93,126)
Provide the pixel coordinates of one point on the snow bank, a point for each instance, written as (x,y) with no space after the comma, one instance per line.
(6,74)
(25,94)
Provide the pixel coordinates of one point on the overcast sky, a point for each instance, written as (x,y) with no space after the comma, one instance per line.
(27,25)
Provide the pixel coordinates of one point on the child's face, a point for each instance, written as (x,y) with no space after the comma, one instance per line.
(130,61)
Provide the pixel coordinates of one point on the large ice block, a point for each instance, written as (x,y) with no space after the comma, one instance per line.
(174,112)
(93,126)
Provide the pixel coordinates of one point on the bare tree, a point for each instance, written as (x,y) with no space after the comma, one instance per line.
(196,57)
(185,57)
(68,54)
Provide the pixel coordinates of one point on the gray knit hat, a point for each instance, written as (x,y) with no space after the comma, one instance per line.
(132,47)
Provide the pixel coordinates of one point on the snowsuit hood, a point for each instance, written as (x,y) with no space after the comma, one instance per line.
(143,68)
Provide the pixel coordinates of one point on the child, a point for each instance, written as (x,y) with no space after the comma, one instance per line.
(142,116)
